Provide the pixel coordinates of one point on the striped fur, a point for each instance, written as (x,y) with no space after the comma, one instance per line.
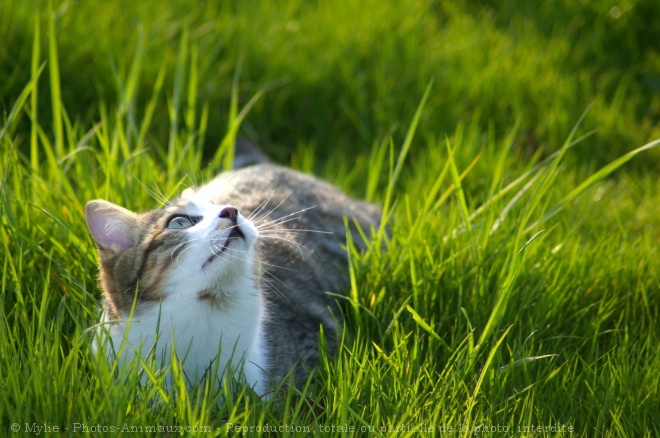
(255,288)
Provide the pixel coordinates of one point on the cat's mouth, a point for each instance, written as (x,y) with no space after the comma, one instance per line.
(218,249)
(234,235)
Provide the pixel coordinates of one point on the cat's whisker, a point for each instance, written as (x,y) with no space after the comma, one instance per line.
(156,194)
(217,248)
(234,253)
(232,227)
(193,179)
(298,245)
(272,265)
(256,220)
(176,248)
(229,258)
(302,233)
(275,224)
(272,286)
(163,198)
(261,205)
(279,220)
(184,250)
(221,251)
(221,240)
(176,252)
(218,244)
(266,214)
(296,231)
(257,210)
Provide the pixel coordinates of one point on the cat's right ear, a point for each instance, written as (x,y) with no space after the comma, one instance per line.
(113,228)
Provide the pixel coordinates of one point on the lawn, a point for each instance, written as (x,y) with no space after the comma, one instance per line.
(514,149)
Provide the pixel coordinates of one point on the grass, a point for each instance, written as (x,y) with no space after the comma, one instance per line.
(514,149)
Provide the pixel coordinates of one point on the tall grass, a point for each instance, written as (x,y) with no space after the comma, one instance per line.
(516,288)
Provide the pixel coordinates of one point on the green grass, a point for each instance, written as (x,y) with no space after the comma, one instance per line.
(514,148)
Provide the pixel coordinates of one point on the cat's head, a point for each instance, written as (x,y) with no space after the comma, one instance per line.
(190,247)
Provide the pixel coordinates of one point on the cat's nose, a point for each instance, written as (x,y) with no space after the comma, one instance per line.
(230,213)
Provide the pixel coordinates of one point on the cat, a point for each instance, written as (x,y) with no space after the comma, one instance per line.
(236,271)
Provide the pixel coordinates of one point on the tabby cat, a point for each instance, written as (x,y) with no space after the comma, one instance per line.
(236,271)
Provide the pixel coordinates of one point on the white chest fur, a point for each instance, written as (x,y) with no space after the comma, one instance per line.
(201,333)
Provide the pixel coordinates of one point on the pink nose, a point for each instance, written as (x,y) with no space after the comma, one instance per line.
(230,213)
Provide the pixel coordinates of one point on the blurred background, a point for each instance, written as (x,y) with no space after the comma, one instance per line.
(340,75)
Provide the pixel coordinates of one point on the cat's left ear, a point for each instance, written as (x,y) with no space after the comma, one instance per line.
(112,227)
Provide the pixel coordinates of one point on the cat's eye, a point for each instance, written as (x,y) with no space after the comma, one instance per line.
(181,222)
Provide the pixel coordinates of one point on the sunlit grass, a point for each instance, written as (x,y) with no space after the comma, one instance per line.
(516,286)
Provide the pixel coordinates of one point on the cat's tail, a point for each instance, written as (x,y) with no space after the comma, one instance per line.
(247,154)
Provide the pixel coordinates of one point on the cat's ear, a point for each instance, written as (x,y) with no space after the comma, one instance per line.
(112,227)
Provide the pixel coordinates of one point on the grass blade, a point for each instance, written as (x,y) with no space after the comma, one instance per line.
(55,91)
(594,178)
(34,98)
(404,151)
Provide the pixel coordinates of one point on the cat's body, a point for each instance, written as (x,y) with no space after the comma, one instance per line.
(210,280)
